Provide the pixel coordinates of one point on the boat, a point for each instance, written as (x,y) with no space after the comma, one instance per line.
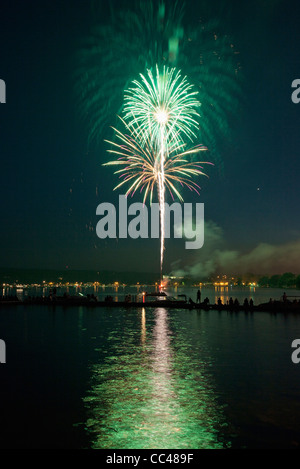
(162,298)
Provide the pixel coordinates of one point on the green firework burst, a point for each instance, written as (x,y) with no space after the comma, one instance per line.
(157,33)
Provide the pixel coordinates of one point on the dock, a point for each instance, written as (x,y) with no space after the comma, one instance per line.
(272,307)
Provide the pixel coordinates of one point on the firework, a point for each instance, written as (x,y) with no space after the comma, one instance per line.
(160,113)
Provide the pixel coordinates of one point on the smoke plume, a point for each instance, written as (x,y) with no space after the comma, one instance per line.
(214,258)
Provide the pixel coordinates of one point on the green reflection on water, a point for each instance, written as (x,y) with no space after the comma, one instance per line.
(153,391)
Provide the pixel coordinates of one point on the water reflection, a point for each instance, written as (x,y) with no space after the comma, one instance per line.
(19,293)
(152,390)
(222,293)
(143,326)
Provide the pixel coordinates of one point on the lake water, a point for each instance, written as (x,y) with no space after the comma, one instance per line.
(139,378)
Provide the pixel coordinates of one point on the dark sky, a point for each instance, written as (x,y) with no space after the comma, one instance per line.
(51,182)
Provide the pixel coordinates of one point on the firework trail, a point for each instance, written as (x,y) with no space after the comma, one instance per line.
(143,169)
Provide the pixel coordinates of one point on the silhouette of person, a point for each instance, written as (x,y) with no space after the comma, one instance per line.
(198,296)
(284,297)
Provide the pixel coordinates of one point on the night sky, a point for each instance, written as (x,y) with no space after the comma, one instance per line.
(51,181)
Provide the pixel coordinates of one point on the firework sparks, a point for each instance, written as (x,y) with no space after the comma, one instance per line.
(142,169)
(163,105)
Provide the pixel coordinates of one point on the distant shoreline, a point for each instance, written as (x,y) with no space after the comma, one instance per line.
(67,276)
